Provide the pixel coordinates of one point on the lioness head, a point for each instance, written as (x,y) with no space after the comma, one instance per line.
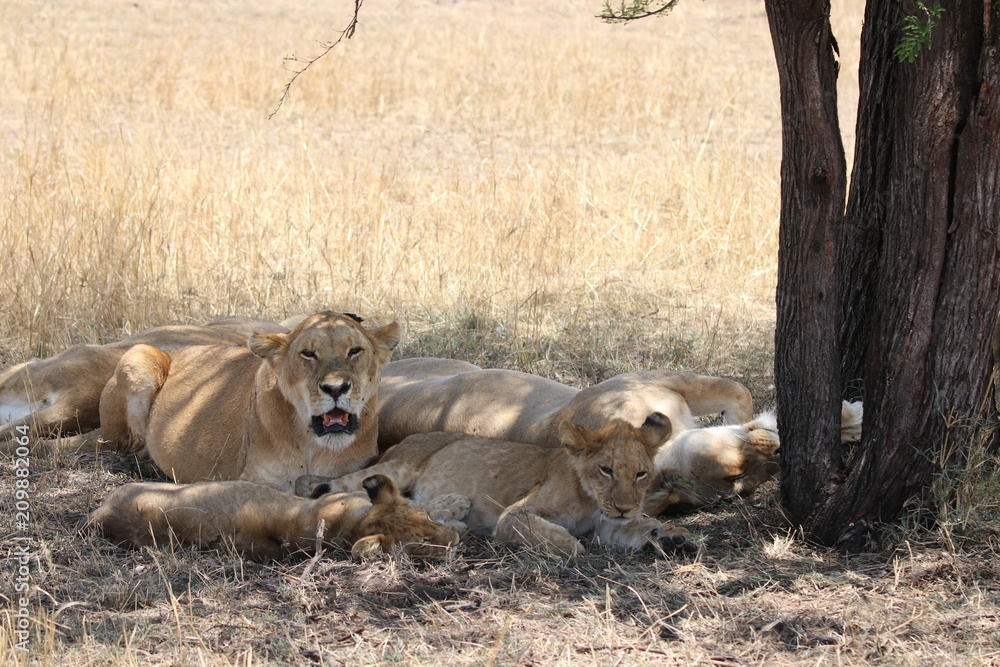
(393,520)
(328,368)
(729,460)
(615,463)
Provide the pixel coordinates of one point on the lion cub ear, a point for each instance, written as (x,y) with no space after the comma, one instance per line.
(319,491)
(656,430)
(574,438)
(369,545)
(381,490)
(387,338)
(267,345)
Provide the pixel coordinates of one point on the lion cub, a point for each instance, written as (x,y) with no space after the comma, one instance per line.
(532,495)
(264,522)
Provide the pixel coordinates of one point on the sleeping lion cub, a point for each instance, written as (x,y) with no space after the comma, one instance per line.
(264,522)
(536,496)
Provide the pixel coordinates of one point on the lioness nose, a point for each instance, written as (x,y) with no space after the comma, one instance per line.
(335,390)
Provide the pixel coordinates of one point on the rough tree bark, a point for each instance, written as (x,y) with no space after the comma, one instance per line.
(916,262)
(813,187)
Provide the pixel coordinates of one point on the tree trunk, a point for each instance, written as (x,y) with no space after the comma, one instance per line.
(813,187)
(919,281)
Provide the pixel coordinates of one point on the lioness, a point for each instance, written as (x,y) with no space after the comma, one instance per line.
(266,523)
(696,466)
(421,395)
(303,402)
(532,495)
(700,465)
(62,394)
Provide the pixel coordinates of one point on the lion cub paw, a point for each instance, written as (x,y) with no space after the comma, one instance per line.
(671,539)
(448,510)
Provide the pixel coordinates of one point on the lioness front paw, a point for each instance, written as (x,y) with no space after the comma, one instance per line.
(671,539)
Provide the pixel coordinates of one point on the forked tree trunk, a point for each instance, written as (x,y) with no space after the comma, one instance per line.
(813,186)
(917,265)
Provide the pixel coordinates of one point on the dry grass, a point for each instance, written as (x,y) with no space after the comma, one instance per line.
(519,162)
(519,184)
(755,596)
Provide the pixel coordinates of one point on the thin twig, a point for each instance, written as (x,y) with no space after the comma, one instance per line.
(318,549)
(346,33)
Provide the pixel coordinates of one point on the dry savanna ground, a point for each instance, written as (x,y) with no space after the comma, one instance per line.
(519,184)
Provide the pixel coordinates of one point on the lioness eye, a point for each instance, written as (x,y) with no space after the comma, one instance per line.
(308,354)
(607,472)
(641,476)
(355,351)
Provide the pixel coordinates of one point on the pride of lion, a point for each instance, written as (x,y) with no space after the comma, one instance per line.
(244,399)
(540,497)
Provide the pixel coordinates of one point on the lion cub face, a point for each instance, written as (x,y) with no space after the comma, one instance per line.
(615,463)
(391,521)
(328,368)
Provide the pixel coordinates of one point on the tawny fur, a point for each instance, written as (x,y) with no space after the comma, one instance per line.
(60,395)
(422,395)
(264,522)
(851,417)
(222,413)
(536,496)
(698,465)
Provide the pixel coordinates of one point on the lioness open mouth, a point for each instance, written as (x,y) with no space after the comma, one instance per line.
(335,421)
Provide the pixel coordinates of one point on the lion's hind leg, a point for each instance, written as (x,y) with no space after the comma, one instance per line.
(128,397)
(851,417)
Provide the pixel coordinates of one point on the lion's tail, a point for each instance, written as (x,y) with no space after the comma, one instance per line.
(851,414)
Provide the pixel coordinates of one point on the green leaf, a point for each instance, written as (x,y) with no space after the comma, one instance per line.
(917,33)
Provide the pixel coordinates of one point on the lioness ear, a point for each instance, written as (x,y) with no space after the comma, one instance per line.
(267,345)
(369,545)
(573,438)
(656,430)
(381,489)
(388,338)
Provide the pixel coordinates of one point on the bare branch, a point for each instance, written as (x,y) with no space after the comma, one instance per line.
(638,9)
(346,33)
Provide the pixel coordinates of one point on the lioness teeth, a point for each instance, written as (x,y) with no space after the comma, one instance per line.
(335,416)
